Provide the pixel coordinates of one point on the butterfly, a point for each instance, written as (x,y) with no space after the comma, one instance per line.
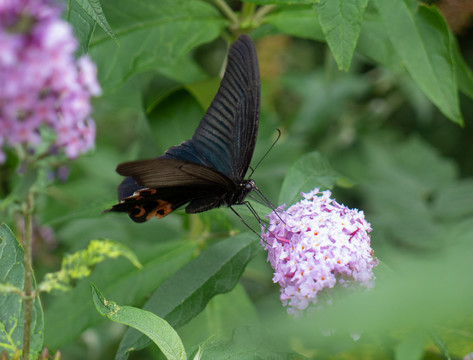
(209,170)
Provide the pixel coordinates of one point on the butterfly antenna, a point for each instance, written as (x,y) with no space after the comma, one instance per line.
(267,152)
(265,201)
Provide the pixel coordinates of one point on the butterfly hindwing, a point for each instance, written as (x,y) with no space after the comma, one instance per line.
(145,203)
(159,186)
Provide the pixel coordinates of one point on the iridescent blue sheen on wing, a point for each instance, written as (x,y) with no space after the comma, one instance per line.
(186,151)
(226,135)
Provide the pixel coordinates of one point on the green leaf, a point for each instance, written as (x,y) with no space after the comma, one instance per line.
(464,73)
(204,91)
(12,274)
(247,343)
(282,2)
(93,9)
(407,179)
(341,23)
(80,264)
(421,39)
(411,347)
(310,171)
(441,345)
(22,185)
(157,329)
(300,21)
(153,34)
(184,295)
(83,25)
(455,201)
(220,317)
(68,315)
(159,88)
(175,119)
(375,44)
(332,96)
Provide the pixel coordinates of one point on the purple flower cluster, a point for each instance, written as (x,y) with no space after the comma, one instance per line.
(315,245)
(42,87)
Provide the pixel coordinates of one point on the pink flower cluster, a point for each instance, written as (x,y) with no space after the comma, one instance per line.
(42,87)
(315,245)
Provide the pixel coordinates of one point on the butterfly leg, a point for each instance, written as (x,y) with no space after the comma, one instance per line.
(246,224)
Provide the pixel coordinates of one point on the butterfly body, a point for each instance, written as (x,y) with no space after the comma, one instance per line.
(207,171)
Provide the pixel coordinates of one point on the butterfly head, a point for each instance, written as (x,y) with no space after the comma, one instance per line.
(249,185)
(244,188)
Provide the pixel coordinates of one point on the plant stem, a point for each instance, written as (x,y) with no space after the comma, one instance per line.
(247,10)
(262,12)
(227,10)
(28,298)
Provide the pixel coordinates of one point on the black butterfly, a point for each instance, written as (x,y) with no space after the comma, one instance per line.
(207,171)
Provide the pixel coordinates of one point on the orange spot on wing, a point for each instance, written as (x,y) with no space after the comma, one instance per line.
(142,211)
(161,210)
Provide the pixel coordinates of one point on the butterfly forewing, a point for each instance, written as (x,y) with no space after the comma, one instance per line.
(226,136)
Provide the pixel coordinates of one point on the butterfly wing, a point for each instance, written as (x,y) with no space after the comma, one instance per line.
(154,188)
(226,136)
(203,171)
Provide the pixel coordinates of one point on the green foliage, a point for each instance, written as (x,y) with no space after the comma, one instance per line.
(12,276)
(282,2)
(83,23)
(144,34)
(421,38)
(341,23)
(157,329)
(70,314)
(420,191)
(80,264)
(298,21)
(310,171)
(247,343)
(215,271)
(93,9)
(362,93)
